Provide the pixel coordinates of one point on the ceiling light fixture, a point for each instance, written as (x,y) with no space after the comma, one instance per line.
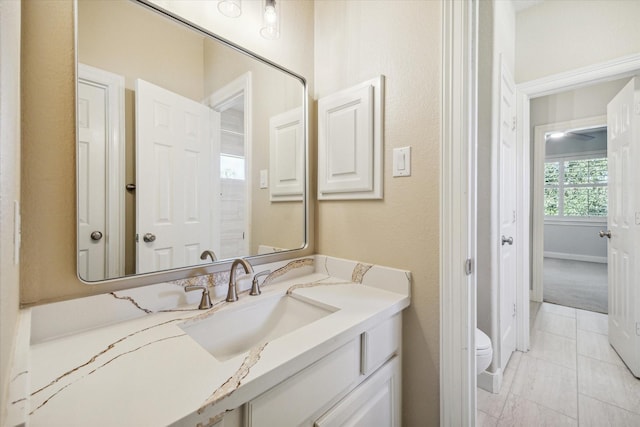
(556,135)
(271,20)
(230,8)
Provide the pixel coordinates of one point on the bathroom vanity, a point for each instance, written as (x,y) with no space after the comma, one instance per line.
(320,346)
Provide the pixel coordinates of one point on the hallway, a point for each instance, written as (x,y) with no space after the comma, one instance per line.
(570,377)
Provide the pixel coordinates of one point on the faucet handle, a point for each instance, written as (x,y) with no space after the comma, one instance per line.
(205,301)
(255,286)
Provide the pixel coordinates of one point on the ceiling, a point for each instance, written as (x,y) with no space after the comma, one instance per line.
(521,5)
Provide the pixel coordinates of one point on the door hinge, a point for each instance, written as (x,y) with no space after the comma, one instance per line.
(637,108)
(638,329)
(514,310)
(468,266)
(137,238)
(514,123)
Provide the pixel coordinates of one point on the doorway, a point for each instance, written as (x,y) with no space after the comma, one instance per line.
(233,182)
(231,144)
(570,209)
(622,124)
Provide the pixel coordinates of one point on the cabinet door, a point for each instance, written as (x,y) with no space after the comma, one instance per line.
(380,343)
(374,403)
(295,401)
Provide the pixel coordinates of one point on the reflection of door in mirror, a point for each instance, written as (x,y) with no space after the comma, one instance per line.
(173,168)
(232,142)
(100,157)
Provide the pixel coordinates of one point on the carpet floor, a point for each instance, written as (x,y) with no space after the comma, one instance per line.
(576,284)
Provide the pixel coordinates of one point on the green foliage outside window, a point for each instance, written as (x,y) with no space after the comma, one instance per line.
(576,188)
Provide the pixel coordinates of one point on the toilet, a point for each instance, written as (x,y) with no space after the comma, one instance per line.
(484,352)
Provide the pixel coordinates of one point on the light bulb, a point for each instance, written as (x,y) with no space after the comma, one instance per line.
(270,20)
(270,16)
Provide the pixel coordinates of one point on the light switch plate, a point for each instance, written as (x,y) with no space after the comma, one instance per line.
(402,161)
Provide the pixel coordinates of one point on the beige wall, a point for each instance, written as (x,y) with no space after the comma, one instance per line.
(9,187)
(48,255)
(48,270)
(109,38)
(355,41)
(562,35)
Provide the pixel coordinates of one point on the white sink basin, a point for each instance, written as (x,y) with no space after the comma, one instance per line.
(228,333)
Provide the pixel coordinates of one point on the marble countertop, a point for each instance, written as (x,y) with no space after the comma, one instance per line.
(139,367)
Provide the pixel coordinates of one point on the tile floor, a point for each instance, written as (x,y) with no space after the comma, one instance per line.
(570,376)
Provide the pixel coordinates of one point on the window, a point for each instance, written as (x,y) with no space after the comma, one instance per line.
(231,167)
(575,187)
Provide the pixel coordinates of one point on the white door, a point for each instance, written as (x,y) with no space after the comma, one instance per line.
(623,151)
(92,140)
(508,179)
(173,172)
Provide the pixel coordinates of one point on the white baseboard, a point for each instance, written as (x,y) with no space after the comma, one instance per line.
(574,257)
(490,381)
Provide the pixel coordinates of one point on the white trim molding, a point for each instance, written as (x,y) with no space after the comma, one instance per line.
(458,214)
(491,381)
(618,68)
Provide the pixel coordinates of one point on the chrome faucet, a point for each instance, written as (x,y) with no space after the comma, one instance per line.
(232,295)
(210,254)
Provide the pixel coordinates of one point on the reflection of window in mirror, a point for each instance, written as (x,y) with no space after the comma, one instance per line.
(231,167)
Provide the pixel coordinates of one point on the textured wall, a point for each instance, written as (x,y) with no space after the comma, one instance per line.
(355,41)
(557,36)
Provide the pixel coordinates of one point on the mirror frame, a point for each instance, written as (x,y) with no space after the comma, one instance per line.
(144,279)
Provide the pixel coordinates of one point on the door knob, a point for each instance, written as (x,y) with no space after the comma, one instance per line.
(603,233)
(96,235)
(506,240)
(149,237)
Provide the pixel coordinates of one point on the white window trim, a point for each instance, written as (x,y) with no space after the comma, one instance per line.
(584,155)
(561,218)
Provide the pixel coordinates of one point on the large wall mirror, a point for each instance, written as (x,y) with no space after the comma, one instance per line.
(190,150)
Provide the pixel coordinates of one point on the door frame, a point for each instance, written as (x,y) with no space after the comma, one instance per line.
(626,66)
(114,86)
(458,206)
(217,101)
(537,200)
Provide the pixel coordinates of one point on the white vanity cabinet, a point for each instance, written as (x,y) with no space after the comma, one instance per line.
(353,385)
(376,402)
